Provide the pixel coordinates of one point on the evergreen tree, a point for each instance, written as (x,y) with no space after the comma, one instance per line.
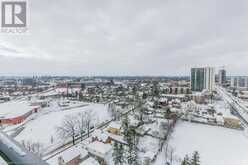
(195,159)
(144,96)
(132,152)
(115,154)
(186,160)
(125,125)
(118,154)
(121,154)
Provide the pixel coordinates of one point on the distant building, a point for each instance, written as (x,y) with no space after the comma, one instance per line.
(197,79)
(202,78)
(239,82)
(29,81)
(222,76)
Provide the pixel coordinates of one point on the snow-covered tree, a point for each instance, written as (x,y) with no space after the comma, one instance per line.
(132,150)
(195,158)
(81,121)
(114,111)
(118,154)
(34,147)
(125,125)
(186,161)
(89,118)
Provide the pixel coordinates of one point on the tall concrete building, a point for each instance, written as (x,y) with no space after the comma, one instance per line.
(202,78)
(222,76)
(197,79)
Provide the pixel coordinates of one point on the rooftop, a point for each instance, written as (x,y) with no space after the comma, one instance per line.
(99,149)
(14,109)
(90,161)
(69,154)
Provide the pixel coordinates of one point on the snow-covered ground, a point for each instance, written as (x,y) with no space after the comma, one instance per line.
(148,146)
(216,145)
(43,128)
(222,107)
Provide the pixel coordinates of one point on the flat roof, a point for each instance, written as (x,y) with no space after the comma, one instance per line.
(14,109)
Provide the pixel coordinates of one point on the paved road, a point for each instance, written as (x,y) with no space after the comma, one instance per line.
(240,110)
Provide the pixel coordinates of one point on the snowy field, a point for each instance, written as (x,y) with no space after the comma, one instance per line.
(216,145)
(43,129)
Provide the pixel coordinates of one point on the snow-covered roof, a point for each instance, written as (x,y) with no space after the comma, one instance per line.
(99,149)
(116,125)
(100,135)
(219,119)
(69,154)
(14,108)
(231,117)
(117,138)
(90,161)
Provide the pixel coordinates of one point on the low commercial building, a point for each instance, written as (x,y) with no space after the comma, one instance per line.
(15,112)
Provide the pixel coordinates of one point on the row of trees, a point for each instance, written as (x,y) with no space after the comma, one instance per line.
(114,111)
(73,125)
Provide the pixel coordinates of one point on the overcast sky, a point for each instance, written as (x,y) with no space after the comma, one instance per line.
(128,37)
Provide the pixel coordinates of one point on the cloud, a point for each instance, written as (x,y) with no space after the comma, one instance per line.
(117,37)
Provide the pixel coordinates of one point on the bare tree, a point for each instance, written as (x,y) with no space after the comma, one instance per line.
(171,155)
(68,128)
(34,147)
(81,121)
(114,111)
(88,119)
